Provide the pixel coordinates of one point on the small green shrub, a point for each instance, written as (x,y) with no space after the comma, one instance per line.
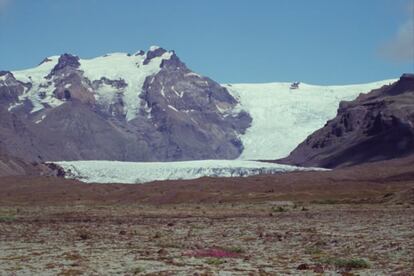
(347,263)
(326,201)
(7,218)
(137,270)
(278,209)
(234,249)
(215,261)
(313,250)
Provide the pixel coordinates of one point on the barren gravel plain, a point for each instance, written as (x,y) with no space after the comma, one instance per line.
(356,221)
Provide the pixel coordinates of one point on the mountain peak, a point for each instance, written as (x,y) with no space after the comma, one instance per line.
(139,53)
(5,73)
(154,48)
(66,60)
(142,108)
(407,76)
(154,52)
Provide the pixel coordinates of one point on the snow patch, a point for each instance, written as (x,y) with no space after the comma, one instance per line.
(175,91)
(221,110)
(148,110)
(162,91)
(173,108)
(193,74)
(41,119)
(14,105)
(179,94)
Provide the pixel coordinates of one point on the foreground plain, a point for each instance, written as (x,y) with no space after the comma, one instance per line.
(356,221)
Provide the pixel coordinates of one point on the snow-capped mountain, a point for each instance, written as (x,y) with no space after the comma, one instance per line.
(146,106)
(149,106)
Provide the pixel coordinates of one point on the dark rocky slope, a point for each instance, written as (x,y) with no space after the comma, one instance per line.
(13,166)
(375,126)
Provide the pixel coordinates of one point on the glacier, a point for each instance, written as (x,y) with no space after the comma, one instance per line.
(143,172)
(282,118)
(285,117)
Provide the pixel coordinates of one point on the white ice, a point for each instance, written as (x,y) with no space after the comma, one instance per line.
(137,172)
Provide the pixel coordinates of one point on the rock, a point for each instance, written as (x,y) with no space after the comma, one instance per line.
(65,60)
(303,267)
(162,252)
(154,52)
(318,268)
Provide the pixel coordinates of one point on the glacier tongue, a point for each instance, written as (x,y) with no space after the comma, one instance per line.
(142,172)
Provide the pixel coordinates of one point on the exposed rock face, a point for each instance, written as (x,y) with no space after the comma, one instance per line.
(10,88)
(66,61)
(143,107)
(152,53)
(192,113)
(376,126)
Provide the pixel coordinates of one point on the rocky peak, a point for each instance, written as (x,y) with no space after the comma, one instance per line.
(45,60)
(173,63)
(65,60)
(8,78)
(406,83)
(190,110)
(10,88)
(154,52)
(407,76)
(139,53)
(5,73)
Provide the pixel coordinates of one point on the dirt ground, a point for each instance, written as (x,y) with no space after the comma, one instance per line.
(357,221)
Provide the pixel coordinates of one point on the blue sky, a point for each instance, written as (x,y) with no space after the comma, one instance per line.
(319,41)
